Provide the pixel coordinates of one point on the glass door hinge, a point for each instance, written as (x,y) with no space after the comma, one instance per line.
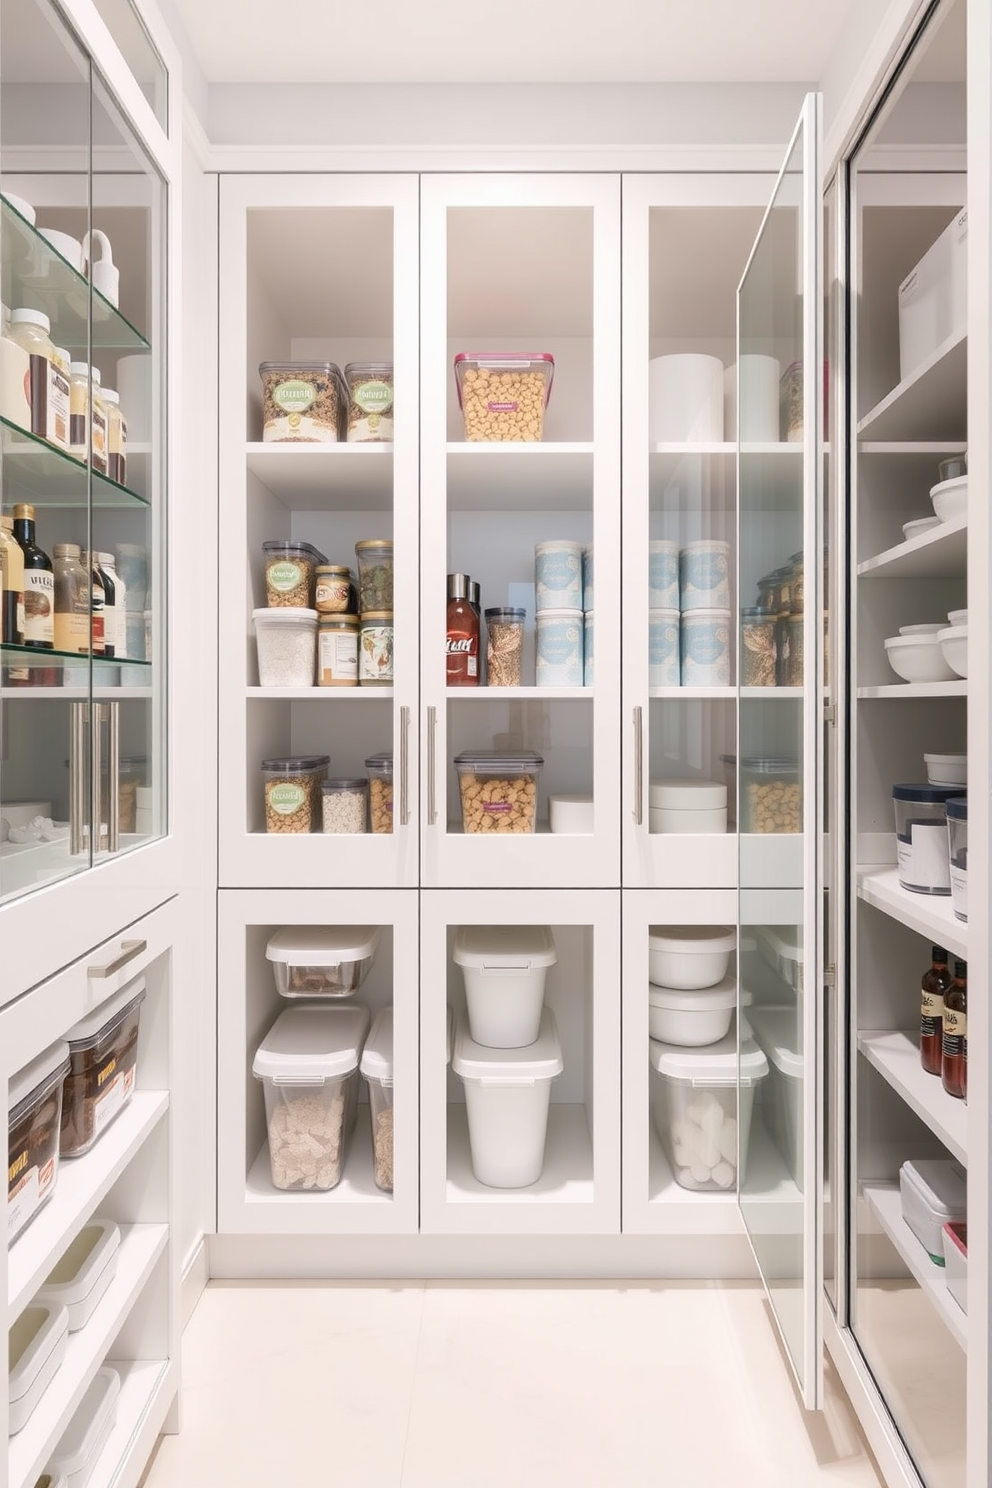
(830,975)
(830,713)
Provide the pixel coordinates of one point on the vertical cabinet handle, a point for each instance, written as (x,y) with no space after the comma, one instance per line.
(96,771)
(404,766)
(638,766)
(431,785)
(77,771)
(114,774)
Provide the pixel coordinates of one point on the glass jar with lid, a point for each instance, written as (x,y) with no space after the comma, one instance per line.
(759,648)
(375,649)
(375,574)
(337,651)
(333,589)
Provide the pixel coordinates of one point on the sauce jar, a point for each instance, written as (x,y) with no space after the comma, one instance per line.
(375,649)
(337,651)
(333,596)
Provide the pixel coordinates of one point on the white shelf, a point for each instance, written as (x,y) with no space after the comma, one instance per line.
(74,694)
(756,694)
(140,1248)
(81,1184)
(315,694)
(931,404)
(896,1056)
(957,688)
(520,477)
(692,694)
(519,694)
(725,447)
(355,1206)
(884,1202)
(941,553)
(930,915)
(325,477)
(674,1210)
(147,1389)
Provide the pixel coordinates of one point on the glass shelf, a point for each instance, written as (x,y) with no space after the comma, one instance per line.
(36,274)
(48,476)
(66,661)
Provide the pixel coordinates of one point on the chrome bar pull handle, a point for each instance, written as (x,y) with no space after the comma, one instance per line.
(431,783)
(639,766)
(129,949)
(404,766)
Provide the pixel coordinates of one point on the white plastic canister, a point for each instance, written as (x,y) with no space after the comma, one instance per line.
(558,574)
(664,669)
(507,1095)
(663,574)
(687,806)
(504,967)
(559,648)
(704,575)
(705,648)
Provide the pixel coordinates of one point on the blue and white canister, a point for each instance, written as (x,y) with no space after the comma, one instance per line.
(663,648)
(588,601)
(588,628)
(704,575)
(663,574)
(559,648)
(558,574)
(705,648)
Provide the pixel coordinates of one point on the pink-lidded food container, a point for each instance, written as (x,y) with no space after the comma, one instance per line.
(503,394)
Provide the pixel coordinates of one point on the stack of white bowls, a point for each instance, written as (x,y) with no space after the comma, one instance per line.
(691,999)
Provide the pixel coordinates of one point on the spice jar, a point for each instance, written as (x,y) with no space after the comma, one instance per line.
(333,589)
(375,573)
(344,804)
(116,437)
(504,648)
(375,649)
(759,649)
(337,651)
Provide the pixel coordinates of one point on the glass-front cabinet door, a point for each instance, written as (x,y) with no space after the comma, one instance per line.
(82,477)
(778,767)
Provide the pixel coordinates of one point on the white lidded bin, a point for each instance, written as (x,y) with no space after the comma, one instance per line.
(689,956)
(377,1071)
(934,1192)
(321,960)
(308,1065)
(286,641)
(572,814)
(504,967)
(36,1346)
(691,1019)
(33,1125)
(687,806)
(704,575)
(782,948)
(507,1094)
(776,1030)
(955,1238)
(695,1109)
(84,1272)
(685,398)
(86,1435)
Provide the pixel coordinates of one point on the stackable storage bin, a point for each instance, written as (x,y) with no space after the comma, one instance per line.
(934,1192)
(84,1273)
(692,1018)
(86,1434)
(35,1349)
(695,1111)
(377,1071)
(103,1069)
(504,967)
(685,957)
(687,806)
(507,1094)
(321,960)
(33,1124)
(776,1031)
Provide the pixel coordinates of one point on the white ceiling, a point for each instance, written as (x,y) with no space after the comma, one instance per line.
(516,41)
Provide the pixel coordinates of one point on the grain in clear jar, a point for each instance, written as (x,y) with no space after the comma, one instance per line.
(380,768)
(375,574)
(759,649)
(375,649)
(797,648)
(370,402)
(771,796)
(291,784)
(302,402)
(291,574)
(344,804)
(337,651)
(504,646)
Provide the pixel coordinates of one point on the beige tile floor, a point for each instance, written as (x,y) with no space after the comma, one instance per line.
(498,1385)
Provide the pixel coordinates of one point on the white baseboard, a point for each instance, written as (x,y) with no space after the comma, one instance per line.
(196,1274)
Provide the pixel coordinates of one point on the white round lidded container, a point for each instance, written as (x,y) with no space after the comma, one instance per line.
(687,806)
(663,574)
(558,574)
(685,398)
(572,814)
(691,1019)
(686,957)
(504,967)
(507,1095)
(704,575)
(559,648)
(704,644)
(946,769)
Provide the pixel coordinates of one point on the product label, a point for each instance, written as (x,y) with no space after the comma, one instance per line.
(72,631)
(58,406)
(704,577)
(931,1015)
(955,1026)
(959,891)
(331,593)
(375,661)
(495,407)
(112,1097)
(39,606)
(496,808)
(559,579)
(285,799)
(560,643)
(337,657)
(24,1199)
(99,441)
(922,860)
(294,396)
(373,397)
(284,576)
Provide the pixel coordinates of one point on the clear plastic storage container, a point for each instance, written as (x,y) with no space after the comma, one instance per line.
(291,574)
(84,1272)
(957,843)
(377,1071)
(776,1030)
(771,796)
(33,1122)
(286,642)
(370,402)
(345,804)
(375,574)
(86,1435)
(921,836)
(933,1192)
(955,1238)
(303,401)
(507,1096)
(498,789)
(103,1068)
(695,1111)
(308,1066)
(504,967)
(380,768)
(321,960)
(36,1346)
(503,394)
(291,785)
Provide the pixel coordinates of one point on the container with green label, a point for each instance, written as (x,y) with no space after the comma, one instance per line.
(303,402)
(293,792)
(370,402)
(291,574)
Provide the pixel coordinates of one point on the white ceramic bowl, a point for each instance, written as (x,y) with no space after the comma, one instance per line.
(919,525)
(918,658)
(687,957)
(947,769)
(21,205)
(957,617)
(691,1018)
(928,629)
(954,645)
(950,499)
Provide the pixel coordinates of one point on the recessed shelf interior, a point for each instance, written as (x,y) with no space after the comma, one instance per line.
(559,730)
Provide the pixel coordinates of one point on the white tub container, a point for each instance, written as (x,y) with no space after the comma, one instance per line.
(559,648)
(504,967)
(84,1273)
(955,1238)
(507,1094)
(558,574)
(704,575)
(86,1435)
(776,1031)
(947,769)
(934,1192)
(932,298)
(321,960)
(663,574)
(695,1111)
(377,1072)
(691,1019)
(308,1066)
(687,806)
(571,815)
(35,1349)
(664,667)
(685,399)
(686,957)
(286,640)
(783,950)
(704,646)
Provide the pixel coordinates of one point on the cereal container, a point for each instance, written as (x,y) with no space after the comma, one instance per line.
(35,1113)
(704,637)
(303,401)
(503,395)
(370,402)
(380,768)
(504,646)
(558,574)
(771,796)
(345,804)
(291,574)
(704,575)
(663,574)
(559,648)
(663,648)
(103,1055)
(292,792)
(498,789)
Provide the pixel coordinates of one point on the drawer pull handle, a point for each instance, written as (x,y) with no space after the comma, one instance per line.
(129,949)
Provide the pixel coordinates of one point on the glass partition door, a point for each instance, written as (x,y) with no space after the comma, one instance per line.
(780,403)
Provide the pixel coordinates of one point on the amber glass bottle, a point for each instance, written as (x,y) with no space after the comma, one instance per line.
(936,982)
(954,1063)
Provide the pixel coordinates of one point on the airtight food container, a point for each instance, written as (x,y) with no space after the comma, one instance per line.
(955,1238)
(694,1107)
(380,771)
(86,1435)
(507,1096)
(558,574)
(33,1123)
(571,814)
(498,789)
(84,1272)
(921,836)
(377,1072)
(777,1032)
(291,784)
(686,957)
(286,641)
(947,769)
(308,1066)
(704,647)
(321,960)
(690,1019)
(704,575)
(771,795)
(933,1192)
(36,1346)
(957,842)
(687,806)
(103,1068)
(370,402)
(782,948)
(291,574)
(503,395)
(303,401)
(504,967)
